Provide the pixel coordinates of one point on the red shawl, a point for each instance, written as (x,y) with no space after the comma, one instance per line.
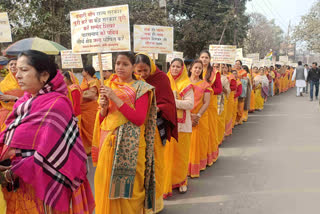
(165,101)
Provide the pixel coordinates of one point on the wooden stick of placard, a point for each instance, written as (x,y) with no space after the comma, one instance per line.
(72,70)
(154,57)
(100,67)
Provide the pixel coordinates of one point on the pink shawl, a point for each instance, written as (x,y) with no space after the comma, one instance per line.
(49,153)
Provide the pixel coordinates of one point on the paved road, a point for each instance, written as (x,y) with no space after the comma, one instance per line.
(270,165)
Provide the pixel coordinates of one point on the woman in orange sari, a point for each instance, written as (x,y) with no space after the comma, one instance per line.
(10,92)
(199,117)
(74,92)
(167,125)
(213,77)
(124,149)
(177,152)
(90,92)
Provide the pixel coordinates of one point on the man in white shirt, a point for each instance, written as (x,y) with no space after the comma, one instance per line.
(300,74)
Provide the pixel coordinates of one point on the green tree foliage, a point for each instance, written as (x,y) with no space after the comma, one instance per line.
(263,35)
(50,19)
(197,23)
(308,29)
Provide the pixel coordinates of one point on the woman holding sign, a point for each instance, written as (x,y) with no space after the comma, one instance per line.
(166,116)
(213,77)
(90,92)
(177,152)
(9,92)
(124,151)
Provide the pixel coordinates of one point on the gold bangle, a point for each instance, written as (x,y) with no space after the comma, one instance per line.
(5,176)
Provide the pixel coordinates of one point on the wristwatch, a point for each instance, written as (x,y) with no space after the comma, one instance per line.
(199,115)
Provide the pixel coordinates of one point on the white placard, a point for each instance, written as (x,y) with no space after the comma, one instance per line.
(223,54)
(5,29)
(106,62)
(97,30)
(174,55)
(71,60)
(153,39)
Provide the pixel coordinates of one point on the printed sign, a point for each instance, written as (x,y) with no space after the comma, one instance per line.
(97,30)
(71,60)
(283,58)
(254,56)
(247,62)
(223,54)
(5,29)
(106,62)
(174,55)
(239,54)
(153,39)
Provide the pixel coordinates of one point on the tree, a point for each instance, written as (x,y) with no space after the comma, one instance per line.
(199,23)
(49,19)
(308,29)
(263,35)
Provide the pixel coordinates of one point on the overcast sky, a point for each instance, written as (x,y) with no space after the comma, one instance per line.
(281,10)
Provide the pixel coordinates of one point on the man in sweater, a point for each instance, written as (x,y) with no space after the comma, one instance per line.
(300,75)
(313,79)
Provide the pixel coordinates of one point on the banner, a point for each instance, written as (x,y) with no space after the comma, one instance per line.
(174,55)
(283,58)
(254,56)
(239,54)
(106,62)
(5,29)
(71,60)
(223,54)
(153,39)
(98,30)
(247,62)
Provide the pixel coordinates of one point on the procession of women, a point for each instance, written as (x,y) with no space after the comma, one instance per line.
(148,131)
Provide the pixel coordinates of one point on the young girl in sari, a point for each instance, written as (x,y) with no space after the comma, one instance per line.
(199,118)
(90,92)
(177,153)
(213,77)
(124,152)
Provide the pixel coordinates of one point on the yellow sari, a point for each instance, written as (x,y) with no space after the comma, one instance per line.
(111,197)
(213,144)
(259,100)
(200,133)
(8,86)
(177,153)
(88,114)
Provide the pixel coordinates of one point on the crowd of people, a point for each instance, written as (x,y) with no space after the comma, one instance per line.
(146,130)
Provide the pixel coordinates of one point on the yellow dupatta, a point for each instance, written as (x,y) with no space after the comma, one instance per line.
(127,143)
(10,86)
(212,77)
(181,84)
(126,93)
(153,66)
